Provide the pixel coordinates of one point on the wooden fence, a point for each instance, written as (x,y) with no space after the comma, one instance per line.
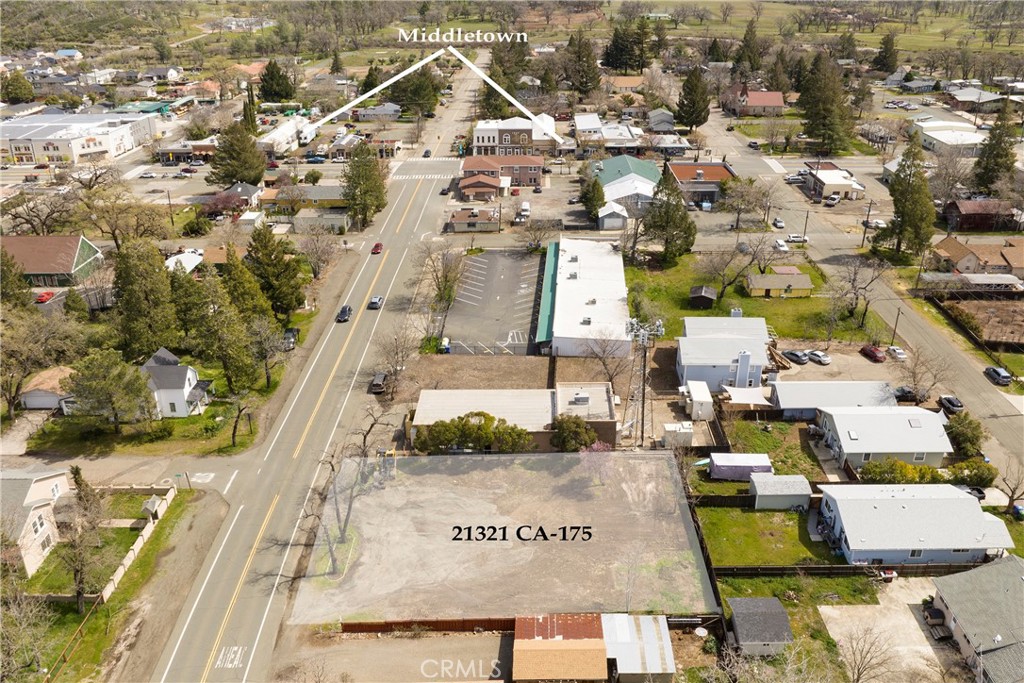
(841,570)
(446,625)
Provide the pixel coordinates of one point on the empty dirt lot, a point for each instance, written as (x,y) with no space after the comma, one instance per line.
(405,564)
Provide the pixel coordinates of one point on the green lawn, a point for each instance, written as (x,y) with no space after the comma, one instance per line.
(801,595)
(786,444)
(740,536)
(107,621)
(198,434)
(667,292)
(125,505)
(1015,527)
(53,576)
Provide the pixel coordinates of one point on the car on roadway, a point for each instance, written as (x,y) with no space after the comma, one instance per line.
(797,238)
(41,166)
(4,167)
(445,190)
(730,128)
(897,353)
(951,405)
(338,160)
(794,179)
(426,154)
(820,357)
(180,174)
(273,164)
(874,224)
(743,248)
(780,245)
(344,314)
(198,162)
(754,144)
(803,171)
(872,353)
(515,191)
(558,162)
(537,190)
(147,175)
(316,160)
(377,248)
(998,376)
(376,302)
(798,357)
(778,223)
(188,170)
(379,383)
(429,115)
(43,297)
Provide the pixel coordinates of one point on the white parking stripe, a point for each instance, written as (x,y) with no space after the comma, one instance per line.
(470,303)
(475,296)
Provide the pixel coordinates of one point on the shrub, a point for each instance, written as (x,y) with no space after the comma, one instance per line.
(430,345)
(710,646)
(160,431)
(974,472)
(966,433)
(965,319)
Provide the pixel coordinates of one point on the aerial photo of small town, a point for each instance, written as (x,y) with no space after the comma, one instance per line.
(532,341)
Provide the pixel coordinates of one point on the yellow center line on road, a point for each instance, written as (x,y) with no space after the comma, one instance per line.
(298,449)
(402,221)
(238,588)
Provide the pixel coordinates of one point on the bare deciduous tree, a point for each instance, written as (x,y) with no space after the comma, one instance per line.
(396,347)
(44,214)
(859,275)
(535,233)
(725,11)
(320,246)
(267,344)
(868,655)
(1012,478)
(763,252)
(92,175)
(724,268)
(608,354)
(953,169)
(117,214)
(443,264)
(922,372)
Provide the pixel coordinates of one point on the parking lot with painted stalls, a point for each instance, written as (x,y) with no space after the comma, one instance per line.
(494,303)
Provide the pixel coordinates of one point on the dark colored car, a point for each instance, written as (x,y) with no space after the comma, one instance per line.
(546,170)
(316,160)
(754,144)
(377,248)
(730,128)
(998,376)
(291,338)
(445,190)
(537,190)
(907,394)
(41,166)
(426,154)
(975,491)
(951,405)
(344,314)
(872,353)
(798,357)
(189,170)
(429,115)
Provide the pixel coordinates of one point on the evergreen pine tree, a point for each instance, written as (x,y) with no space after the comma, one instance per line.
(913,218)
(888,58)
(592,197)
(641,45)
(14,289)
(224,338)
(825,103)
(249,113)
(748,51)
(190,304)
(145,310)
(75,306)
(583,72)
(15,88)
(237,159)
(373,78)
(716,53)
(778,79)
(618,53)
(275,86)
(660,37)
(243,289)
(336,67)
(278,274)
(365,189)
(667,221)
(996,157)
(694,104)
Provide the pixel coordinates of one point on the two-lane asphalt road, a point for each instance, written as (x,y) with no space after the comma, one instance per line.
(227,629)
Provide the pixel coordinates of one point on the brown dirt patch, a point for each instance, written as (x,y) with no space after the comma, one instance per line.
(687,650)
(1001,321)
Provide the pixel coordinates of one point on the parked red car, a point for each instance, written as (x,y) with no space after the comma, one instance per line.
(377,248)
(41,166)
(188,169)
(273,165)
(872,353)
(515,191)
(44,297)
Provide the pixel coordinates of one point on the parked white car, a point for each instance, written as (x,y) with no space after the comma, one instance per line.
(779,223)
(832,200)
(819,357)
(781,246)
(797,239)
(897,353)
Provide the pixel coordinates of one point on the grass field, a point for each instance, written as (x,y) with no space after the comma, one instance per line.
(53,576)
(125,505)
(1015,527)
(739,536)
(801,595)
(667,291)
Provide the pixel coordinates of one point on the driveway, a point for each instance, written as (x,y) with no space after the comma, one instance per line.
(899,621)
(16,436)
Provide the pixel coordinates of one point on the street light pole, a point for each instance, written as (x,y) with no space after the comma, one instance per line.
(867,222)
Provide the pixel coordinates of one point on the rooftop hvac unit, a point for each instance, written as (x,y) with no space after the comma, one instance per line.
(574,259)
(573,275)
(700,174)
(474,213)
(581,398)
(586,321)
(736,313)
(592,302)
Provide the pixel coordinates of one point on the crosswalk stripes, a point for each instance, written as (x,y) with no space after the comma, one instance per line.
(436,176)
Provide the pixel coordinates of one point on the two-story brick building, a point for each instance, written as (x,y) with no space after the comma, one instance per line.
(521,169)
(516,135)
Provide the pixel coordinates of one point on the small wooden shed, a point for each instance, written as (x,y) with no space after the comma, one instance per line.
(702,297)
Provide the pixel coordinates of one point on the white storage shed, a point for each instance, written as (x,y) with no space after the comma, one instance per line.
(779,491)
(738,466)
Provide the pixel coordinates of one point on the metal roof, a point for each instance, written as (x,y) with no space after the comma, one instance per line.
(719,350)
(889,429)
(639,644)
(831,394)
(590,292)
(531,409)
(760,620)
(768,484)
(625,165)
(724,326)
(915,516)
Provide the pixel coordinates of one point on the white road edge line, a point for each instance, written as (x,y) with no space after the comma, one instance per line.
(192,611)
(341,411)
(230,482)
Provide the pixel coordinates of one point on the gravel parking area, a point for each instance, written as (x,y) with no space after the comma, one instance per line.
(899,620)
(406,564)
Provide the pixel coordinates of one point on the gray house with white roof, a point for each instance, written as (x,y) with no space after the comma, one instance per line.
(801,400)
(861,434)
(910,524)
(984,607)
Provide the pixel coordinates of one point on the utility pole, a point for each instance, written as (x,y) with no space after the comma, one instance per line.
(867,222)
(170,208)
(895,325)
(806,218)
(645,335)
